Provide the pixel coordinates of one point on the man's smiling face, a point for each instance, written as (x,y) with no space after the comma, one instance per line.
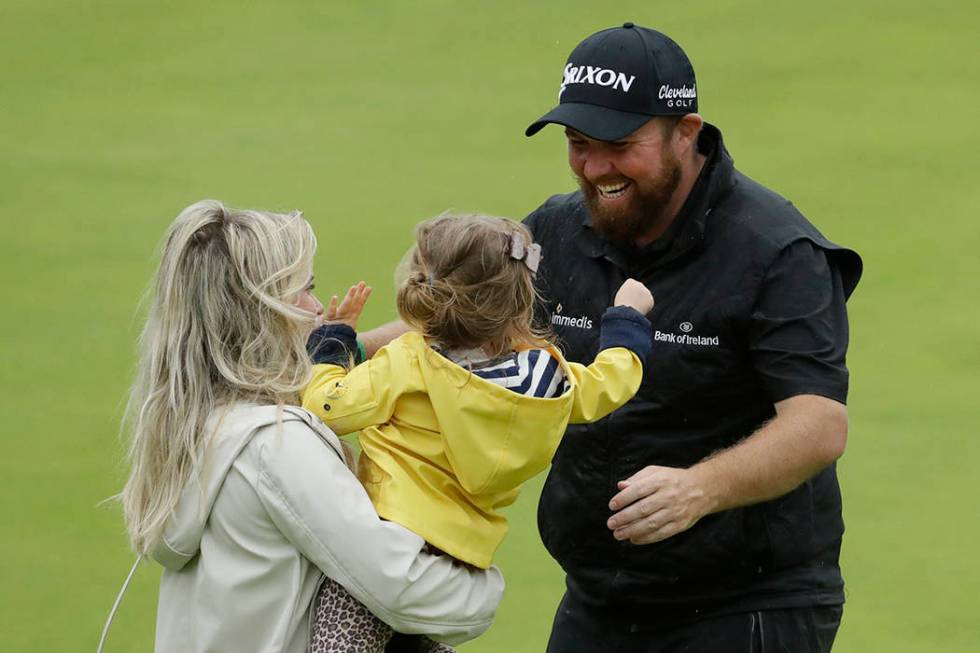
(627,183)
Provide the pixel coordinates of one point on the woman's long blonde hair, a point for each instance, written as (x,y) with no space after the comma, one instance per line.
(222,327)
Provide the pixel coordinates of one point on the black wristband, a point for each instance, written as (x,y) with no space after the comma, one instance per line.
(624,326)
(334,344)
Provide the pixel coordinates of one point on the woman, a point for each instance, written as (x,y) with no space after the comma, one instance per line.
(246,499)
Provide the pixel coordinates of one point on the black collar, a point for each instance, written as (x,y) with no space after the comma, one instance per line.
(686,233)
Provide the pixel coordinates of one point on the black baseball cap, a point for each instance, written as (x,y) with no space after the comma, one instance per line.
(617,79)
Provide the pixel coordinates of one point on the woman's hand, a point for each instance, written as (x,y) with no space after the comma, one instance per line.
(349,310)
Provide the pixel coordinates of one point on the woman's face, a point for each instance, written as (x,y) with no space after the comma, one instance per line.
(308,302)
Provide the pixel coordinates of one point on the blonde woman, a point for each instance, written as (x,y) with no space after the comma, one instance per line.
(247,500)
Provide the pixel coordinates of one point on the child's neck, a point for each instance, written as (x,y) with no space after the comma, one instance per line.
(465,356)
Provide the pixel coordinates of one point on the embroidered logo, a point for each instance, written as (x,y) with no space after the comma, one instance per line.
(595,75)
(683,96)
(580,322)
(685,337)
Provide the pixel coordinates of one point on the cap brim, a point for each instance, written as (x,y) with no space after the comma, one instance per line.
(596,122)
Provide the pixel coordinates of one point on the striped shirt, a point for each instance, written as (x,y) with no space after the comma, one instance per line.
(533,372)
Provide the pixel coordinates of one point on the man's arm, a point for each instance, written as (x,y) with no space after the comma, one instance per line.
(797,340)
(808,433)
(377,338)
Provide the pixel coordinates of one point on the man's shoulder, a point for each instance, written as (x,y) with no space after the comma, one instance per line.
(756,219)
(759,214)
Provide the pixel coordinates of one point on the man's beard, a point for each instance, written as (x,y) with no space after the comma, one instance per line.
(645,210)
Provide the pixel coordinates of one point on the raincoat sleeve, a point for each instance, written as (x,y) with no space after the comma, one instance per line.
(617,371)
(321,508)
(351,400)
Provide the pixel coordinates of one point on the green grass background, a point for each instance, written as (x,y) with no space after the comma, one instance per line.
(371,116)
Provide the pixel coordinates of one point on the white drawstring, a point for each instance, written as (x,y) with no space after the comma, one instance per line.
(115,606)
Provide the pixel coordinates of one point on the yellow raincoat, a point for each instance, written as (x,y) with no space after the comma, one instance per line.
(445,450)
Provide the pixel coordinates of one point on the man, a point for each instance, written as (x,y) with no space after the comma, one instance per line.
(705,515)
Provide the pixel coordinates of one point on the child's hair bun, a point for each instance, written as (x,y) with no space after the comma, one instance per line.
(463,289)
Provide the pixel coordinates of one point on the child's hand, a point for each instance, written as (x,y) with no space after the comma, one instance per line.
(635,295)
(350,308)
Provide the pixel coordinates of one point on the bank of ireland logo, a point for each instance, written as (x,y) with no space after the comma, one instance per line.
(685,337)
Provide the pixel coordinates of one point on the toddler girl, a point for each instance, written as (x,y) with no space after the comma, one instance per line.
(458,413)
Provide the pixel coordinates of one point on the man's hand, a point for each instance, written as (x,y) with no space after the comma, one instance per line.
(349,310)
(635,295)
(657,503)
(808,433)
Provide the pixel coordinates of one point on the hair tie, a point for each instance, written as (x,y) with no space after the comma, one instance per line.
(423,278)
(529,254)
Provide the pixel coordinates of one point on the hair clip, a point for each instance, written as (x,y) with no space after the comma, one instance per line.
(530,254)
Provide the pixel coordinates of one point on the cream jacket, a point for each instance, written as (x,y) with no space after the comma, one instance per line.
(278,507)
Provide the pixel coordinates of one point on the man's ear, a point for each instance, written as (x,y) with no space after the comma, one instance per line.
(687,130)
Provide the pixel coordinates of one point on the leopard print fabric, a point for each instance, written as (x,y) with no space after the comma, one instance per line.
(342,625)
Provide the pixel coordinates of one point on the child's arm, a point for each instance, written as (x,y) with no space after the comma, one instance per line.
(345,399)
(625,342)
(350,400)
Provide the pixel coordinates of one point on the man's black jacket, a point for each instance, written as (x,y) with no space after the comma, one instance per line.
(749,311)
